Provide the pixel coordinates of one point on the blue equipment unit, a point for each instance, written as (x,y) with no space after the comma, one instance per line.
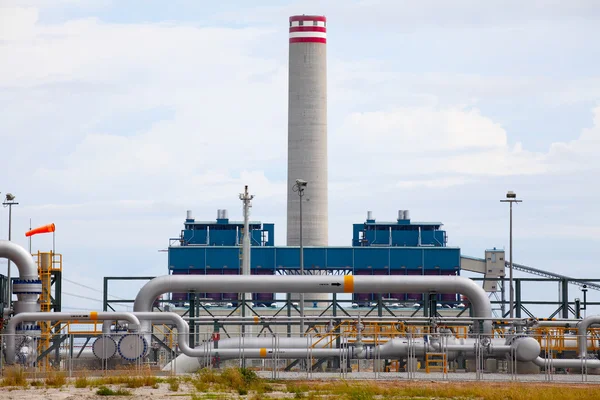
(378,248)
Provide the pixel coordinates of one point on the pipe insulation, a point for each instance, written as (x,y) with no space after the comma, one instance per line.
(582,329)
(317,284)
(28,287)
(524,349)
(582,342)
(11,327)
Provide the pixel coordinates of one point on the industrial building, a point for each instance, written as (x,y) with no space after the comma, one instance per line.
(400,247)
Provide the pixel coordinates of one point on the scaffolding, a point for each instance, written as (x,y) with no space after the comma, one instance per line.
(50,272)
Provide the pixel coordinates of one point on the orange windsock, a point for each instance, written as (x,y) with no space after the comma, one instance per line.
(42,229)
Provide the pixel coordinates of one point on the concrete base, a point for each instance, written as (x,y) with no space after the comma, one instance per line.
(491,365)
(470,365)
(412,364)
(524,368)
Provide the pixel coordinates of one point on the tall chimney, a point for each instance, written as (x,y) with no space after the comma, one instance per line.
(307,130)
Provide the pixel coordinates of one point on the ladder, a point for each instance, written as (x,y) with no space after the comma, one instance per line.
(436,362)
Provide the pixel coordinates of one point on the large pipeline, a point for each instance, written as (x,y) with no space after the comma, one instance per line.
(317,284)
(582,341)
(11,328)
(28,286)
(524,349)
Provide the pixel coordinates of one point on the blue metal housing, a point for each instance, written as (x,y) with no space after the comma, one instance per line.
(378,248)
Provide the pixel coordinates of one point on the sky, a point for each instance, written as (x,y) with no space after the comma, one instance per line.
(118,116)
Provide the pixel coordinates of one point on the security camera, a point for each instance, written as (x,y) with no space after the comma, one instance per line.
(301,182)
(511,195)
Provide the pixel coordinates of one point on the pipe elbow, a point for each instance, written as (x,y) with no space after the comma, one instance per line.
(21,257)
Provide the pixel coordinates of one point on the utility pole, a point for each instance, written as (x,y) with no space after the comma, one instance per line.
(299,187)
(9,201)
(511,198)
(247,202)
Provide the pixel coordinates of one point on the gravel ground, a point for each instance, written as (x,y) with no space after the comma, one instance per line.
(71,393)
(434,376)
(401,379)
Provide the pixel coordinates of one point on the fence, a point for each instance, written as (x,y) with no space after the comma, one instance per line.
(415,355)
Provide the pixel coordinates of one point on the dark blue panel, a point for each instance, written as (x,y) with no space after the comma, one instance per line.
(372,257)
(218,257)
(445,259)
(263,257)
(314,258)
(339,257)
(184,258)
(405,238)
(357,258)
(409,258)
(287,257)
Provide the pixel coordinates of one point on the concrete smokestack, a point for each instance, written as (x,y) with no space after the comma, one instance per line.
(307,130)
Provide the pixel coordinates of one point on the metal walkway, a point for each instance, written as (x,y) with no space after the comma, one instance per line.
(547,274)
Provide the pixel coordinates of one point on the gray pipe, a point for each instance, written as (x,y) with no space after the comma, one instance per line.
(582,361)
(22,259)
(582,329)
(28,287)
(566,363)
(317,284)
(58,316)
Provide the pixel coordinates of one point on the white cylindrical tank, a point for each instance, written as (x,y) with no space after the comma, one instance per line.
(406,214)
(400,215)
(369,215)
(189,214)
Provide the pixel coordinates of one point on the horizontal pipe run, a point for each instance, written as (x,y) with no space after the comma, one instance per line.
(481,305)
(566,363)
(11,327)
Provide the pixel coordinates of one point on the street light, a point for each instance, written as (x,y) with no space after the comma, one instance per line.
(511,198)
(9,201)
(299,188)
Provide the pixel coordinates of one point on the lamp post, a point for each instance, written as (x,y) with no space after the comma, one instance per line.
(9,201)
(511,198)
(299,187)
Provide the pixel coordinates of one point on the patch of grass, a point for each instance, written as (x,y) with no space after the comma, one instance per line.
(130,381)
(134,382)
(443,390)
(298,390)
(232,378)
(173,384)
(81,382)
(105,391)
(14,376)
(56,379)
(200,386)
(209,376)
(240,380)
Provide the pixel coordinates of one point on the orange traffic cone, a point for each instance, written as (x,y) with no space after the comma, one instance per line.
(42,229)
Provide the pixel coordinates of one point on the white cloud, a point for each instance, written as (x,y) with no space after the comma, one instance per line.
(455,142)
